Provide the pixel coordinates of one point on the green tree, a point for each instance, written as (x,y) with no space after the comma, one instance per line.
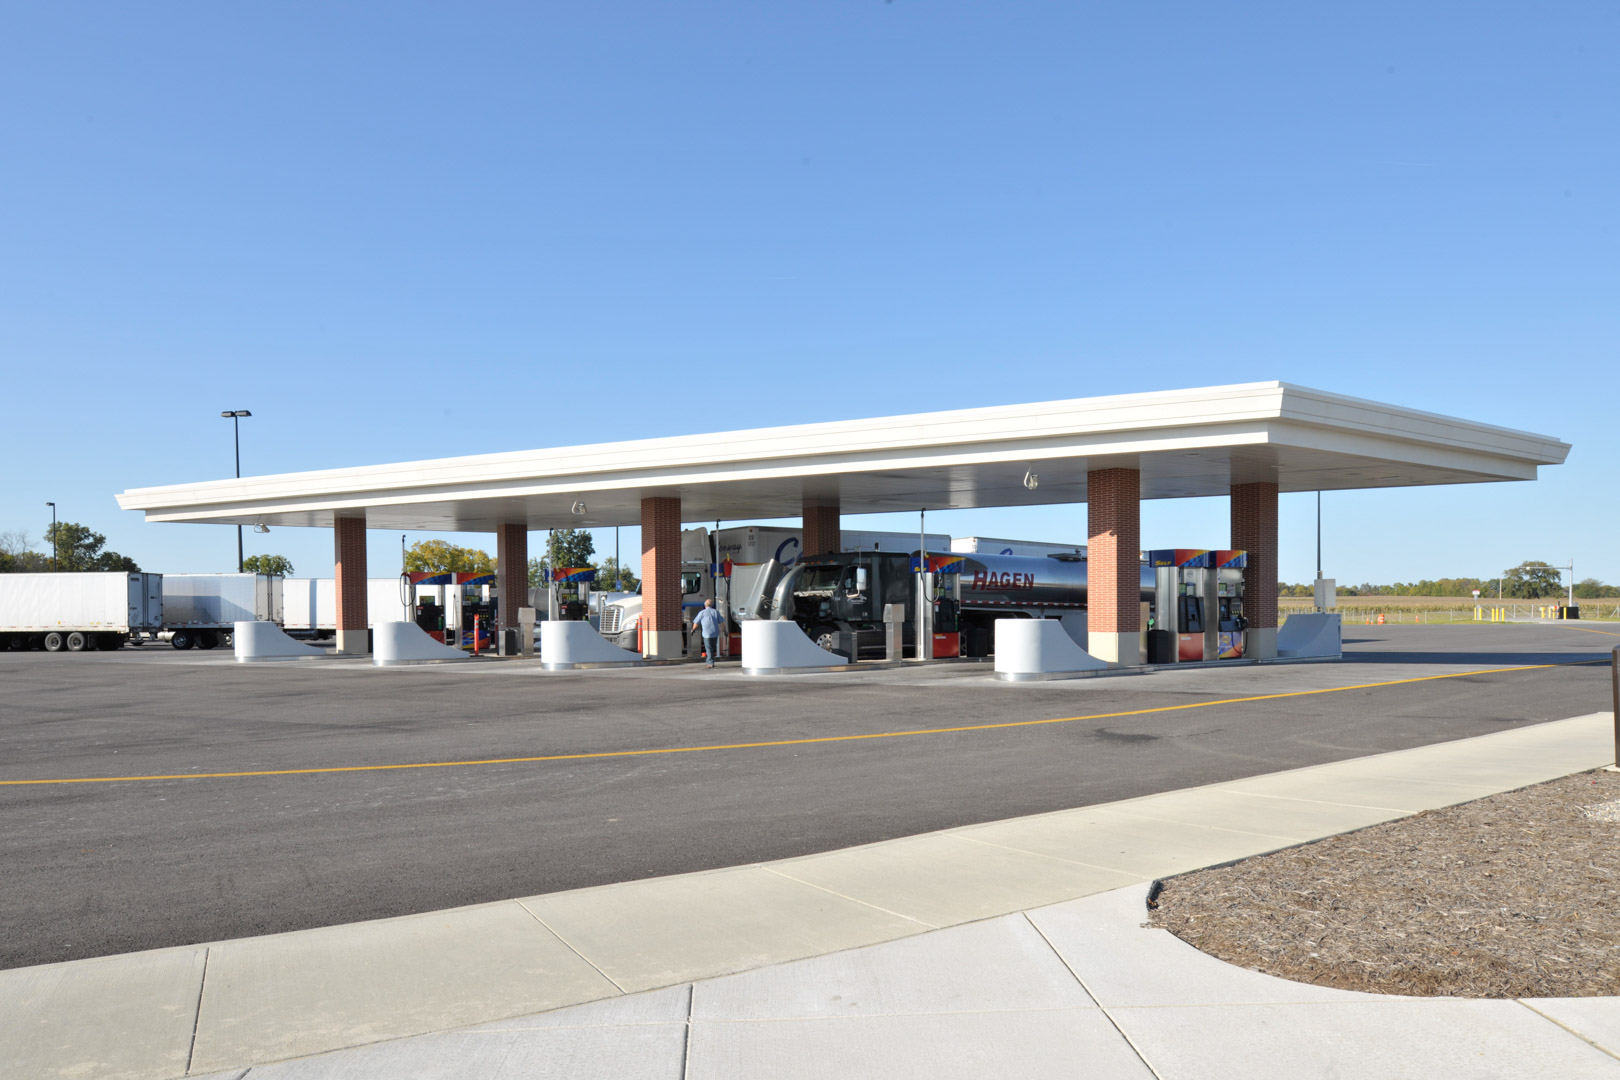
(17,555)
(565,547)
(1531,581)
(441,556)
(1593,589)
(268,564)
(77,548)
(611,577)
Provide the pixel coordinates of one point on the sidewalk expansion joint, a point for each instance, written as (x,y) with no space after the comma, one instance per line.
(196,1017)
(1123,1034)
(1566,1027)
(852,899)
(570,946)
(686,1032)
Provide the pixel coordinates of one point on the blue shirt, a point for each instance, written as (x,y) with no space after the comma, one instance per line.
(709,621)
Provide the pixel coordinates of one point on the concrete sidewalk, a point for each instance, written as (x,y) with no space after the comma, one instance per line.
(1044,971)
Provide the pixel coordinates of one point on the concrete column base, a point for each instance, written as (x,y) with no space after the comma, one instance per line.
(1260,643)
(1120,650)
(353,642)
(662,644)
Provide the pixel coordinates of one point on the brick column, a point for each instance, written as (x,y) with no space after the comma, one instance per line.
(1254,530)
(512,579)
(822,528)
(661,637)
(1114,565)
(349,555)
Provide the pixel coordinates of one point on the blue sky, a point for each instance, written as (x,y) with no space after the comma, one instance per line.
(410,230)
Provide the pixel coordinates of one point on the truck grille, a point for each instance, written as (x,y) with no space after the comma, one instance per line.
(610,619)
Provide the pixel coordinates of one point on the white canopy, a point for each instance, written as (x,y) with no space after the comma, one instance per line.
(1185,442)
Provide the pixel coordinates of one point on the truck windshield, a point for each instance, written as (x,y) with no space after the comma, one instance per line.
(816,579)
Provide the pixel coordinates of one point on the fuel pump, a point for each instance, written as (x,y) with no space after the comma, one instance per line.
(1230,624)
(571,586)
(430,612)
(939,627)
(1198,600)
(480,612)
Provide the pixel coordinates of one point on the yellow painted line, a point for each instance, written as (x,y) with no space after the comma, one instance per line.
(1589,630)
(786,742)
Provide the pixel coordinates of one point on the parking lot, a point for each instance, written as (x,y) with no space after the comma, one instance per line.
(300,795)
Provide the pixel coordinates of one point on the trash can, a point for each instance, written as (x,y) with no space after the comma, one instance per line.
(1161,647)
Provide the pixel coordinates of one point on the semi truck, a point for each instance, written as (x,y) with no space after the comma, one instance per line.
(78,612)
(743,556)
(839,600)
(200,610)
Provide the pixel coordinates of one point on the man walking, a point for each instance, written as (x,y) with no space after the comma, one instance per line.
(708,624)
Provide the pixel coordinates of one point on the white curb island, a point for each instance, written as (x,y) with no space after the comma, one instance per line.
(779,647)
(1029,650)
(571,646)
(258,641)
(397,643)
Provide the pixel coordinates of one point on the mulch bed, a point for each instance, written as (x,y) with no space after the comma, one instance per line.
(1515,895)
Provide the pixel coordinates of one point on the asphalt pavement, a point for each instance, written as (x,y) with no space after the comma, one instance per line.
(661,771)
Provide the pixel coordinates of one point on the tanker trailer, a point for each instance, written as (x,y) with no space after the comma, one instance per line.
(845,593)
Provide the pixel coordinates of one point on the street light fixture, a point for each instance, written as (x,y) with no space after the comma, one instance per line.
(56,541)
(236,429)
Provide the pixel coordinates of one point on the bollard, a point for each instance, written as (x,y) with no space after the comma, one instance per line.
(1614,677)
(475,634)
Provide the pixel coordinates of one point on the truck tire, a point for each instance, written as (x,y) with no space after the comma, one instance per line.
(78,642)
(181,639)
(207,639)
(54,641)
(825,636)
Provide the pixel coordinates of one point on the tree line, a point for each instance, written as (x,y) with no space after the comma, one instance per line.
(1534,580)
(70,547)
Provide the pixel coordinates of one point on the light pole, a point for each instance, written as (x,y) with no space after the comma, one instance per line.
(236,430)
(56,541)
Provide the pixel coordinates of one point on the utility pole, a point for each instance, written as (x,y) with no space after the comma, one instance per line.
(236,429)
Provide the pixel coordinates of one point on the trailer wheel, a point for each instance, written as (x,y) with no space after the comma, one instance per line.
(181,639)
(54,641)
(207,639)
(77,642)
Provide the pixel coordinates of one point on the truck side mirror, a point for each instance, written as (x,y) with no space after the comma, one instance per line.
(860,579)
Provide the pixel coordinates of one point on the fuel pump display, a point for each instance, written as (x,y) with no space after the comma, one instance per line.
(1202,592)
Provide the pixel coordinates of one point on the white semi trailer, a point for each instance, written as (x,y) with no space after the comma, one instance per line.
(78,612)
(309,605)
(200,610)
(995,545)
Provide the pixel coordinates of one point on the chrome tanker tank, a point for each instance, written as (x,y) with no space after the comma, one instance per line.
(990,581)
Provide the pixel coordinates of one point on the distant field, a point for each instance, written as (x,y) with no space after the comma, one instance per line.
(1442,608)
